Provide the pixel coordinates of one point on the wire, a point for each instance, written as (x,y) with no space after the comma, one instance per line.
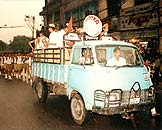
(13,26)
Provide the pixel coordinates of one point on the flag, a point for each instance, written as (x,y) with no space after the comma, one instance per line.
(70,25)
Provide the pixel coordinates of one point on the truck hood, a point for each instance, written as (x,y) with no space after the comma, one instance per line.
(121,78)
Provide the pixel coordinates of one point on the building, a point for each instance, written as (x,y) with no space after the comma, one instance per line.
(59,11)
(140,23)
(136,20)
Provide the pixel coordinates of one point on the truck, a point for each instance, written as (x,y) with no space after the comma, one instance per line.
(94,86)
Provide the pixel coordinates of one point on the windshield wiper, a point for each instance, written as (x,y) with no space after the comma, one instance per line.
(123,66)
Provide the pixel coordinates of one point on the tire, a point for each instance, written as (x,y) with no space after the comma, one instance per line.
(79,113)
(41,91)
(34,83)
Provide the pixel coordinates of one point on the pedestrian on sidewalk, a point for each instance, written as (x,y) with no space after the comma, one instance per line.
(157,70)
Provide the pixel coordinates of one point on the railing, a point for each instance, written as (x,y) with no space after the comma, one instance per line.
(53,55)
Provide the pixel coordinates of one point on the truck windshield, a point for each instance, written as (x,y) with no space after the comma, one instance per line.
(113,55)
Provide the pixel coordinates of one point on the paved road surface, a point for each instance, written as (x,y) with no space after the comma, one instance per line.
(20,110)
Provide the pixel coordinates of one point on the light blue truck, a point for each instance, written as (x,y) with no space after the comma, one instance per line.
(94,86)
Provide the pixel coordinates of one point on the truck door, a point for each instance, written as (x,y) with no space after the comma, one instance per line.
(80,71)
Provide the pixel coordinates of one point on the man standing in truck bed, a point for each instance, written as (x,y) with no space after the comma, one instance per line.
(53,37)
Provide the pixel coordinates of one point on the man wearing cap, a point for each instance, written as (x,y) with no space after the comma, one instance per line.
(52,37)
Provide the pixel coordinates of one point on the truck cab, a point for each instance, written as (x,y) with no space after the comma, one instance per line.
(105,88)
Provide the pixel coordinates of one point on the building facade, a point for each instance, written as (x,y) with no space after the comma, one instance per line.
(128,19)
(59,11)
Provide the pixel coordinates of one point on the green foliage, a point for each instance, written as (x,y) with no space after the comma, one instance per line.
(19,44)
(3,46)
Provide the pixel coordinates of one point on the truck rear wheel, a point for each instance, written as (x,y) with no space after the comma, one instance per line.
(79,113)
(41,91)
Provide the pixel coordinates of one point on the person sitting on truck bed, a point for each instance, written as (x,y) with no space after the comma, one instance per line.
(116,60)
(86,57)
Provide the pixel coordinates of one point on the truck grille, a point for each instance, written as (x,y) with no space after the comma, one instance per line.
(117,97)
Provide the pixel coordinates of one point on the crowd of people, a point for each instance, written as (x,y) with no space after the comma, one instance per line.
(16,66)
(55,39)
(57,34)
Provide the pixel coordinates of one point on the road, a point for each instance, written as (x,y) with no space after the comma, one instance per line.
(20,110)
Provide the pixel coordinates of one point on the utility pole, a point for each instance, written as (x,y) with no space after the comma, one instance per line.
(30,20)
(33,32)
(46,5)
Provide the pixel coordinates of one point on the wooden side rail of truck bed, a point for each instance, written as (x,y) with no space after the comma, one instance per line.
(53,55)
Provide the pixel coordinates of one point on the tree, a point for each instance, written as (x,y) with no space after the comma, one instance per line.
(3,46)
(19,44)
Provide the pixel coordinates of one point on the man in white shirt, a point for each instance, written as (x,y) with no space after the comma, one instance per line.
(8,67)
(61,34)
(117,60)
(53,37)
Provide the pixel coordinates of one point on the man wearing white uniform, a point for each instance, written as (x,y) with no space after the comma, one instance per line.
(52,37)
(8,67)
(61,34)
(117,60)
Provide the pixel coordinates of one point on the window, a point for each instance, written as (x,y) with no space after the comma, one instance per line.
(106,56)
(82,56)
(76,55)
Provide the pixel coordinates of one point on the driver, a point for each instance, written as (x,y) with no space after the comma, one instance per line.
(116,60)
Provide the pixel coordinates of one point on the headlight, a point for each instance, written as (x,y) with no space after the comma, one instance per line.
(113,97)
(146,76)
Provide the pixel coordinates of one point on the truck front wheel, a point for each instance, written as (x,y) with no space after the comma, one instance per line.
(78,110)
(41,91)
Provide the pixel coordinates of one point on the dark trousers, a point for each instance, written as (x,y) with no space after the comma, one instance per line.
(156,75)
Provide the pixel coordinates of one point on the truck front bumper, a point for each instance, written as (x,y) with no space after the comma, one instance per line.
(119,102)
(123,109)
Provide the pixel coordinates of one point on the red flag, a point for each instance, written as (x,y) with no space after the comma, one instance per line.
(70,25)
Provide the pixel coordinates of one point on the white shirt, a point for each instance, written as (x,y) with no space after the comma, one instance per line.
(114,62)
(40,45)
(1,61)
(53,38)
(5,60)
(19,60)
(61,34)
(9,60)
(82,60)
(30,61)
(15,60)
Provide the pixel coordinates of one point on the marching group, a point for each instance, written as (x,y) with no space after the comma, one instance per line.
(16,65)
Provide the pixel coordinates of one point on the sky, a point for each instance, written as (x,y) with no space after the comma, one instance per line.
(13,14)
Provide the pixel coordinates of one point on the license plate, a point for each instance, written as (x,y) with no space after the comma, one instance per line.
(134,100)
